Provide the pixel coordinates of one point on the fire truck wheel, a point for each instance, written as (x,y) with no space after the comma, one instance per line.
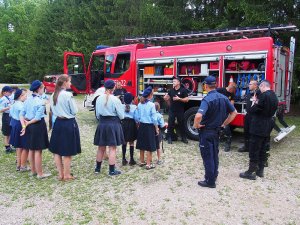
(189,116)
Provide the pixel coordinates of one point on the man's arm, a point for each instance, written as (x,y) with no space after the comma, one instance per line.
(197,121)
(230,117)
(167,97)
(176,98)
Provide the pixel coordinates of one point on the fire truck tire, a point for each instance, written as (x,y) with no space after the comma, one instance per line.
(189,116)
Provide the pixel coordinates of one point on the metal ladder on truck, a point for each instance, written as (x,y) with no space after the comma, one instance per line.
(229,33)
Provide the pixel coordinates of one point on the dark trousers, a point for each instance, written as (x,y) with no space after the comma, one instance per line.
(209,149)
(259,148)
(171,123)
(247,122)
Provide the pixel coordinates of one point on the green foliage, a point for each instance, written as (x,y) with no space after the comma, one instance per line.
(44,29)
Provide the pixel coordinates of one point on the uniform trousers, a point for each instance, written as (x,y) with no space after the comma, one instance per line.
(179,115)
(209,149)
(259,148)
(247,122)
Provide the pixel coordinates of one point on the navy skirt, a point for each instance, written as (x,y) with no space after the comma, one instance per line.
(146,137)
(129,129)
(37,136)
(6,124)
(15,139)
(109,132)
(65,138)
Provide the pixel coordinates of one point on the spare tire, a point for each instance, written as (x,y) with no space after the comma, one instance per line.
(189,117)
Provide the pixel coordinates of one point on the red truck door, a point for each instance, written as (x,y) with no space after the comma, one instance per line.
(74,66)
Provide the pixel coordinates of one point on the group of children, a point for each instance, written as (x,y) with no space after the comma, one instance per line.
(120,124)
(24,127)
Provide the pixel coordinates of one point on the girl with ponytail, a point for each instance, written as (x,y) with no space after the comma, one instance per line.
(65,139)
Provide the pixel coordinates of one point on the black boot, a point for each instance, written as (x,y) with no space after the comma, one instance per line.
(124,161)
(184,140)
(132,162)
(245,147)
(169,139)
(250,173)
(227,144)
(260,171)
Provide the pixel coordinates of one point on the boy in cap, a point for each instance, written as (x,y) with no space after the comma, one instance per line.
(5,104)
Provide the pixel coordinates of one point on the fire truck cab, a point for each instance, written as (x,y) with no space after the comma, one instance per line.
(138,66)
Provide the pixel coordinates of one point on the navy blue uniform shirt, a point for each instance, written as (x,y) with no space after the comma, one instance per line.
(215,108)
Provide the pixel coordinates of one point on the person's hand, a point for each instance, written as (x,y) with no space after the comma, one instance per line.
(23,131)
(198,125)
(166,97)
(166,125)
(176,98)
(157,130)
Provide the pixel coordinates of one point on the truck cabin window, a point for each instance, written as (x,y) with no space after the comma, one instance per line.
(122,62)
(75,65)
(108,63)
(97,71)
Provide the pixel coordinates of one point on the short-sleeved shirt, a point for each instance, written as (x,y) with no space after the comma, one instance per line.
(215,108)
(110,106)
(177,106)
(224,91)
(16,110)
(65,105)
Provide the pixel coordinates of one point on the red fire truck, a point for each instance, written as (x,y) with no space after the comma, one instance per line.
(248,53)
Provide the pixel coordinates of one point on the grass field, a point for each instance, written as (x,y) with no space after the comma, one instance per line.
(168,194)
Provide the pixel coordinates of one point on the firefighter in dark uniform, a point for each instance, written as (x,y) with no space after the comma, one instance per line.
(215,112)
(177,98)
(253,88)
(263,109)
(229,92)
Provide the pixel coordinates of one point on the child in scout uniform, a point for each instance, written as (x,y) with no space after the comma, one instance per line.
(109,132)
(148,128)
(158,138)
(129,128)
(35,130)
(5,104)
(17,124)
(65,139)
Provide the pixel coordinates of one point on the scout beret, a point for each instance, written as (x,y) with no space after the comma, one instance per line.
(109,84)
(128,97)
(35,85)
(147,92)
(7,89)
(18,93)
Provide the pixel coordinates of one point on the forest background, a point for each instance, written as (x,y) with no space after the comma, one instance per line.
(35,33)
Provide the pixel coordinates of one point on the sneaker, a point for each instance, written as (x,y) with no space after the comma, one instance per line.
(124,162)
(24,169)
(8,150)
(132,162)
(45,175)
(33,174)
(150,167)
(159,162)
(114,173)
(97,170)
(18,168)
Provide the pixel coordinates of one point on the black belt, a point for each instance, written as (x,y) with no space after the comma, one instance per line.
(62,118)
(210,129)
